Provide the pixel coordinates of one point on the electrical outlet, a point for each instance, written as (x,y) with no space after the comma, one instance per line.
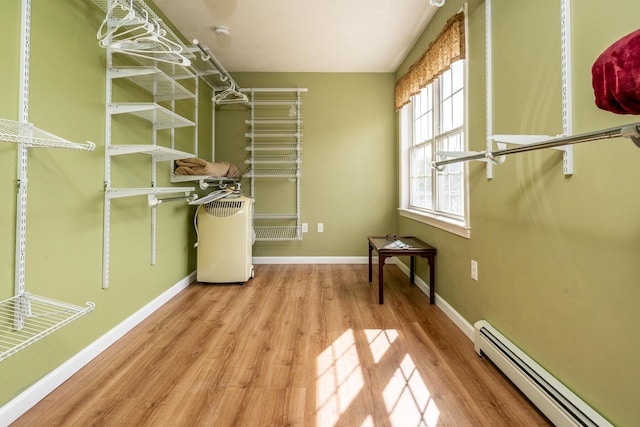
(474,269)
(320,227)
(305,227)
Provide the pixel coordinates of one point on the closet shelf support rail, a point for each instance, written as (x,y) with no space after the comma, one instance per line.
(631,131)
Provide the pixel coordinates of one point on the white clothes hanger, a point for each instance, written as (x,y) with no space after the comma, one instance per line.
(231,95)
(136,24)
(141,37)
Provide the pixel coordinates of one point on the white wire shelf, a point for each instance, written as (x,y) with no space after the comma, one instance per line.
(272,173)
(292,159)
(161,117)
(117,193)
(266,102)
(284,146)
(274,121)
(274,134)
(175,71)
(31,136)
(153,80)
(158,152)
(27,318)
(274,216)
(278,233)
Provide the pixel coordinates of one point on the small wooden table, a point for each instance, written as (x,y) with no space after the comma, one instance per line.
(391,245)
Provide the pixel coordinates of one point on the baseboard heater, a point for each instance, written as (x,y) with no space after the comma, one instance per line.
(561,406)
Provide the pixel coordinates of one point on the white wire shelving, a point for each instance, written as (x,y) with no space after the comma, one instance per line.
(277,233)
(273,159)
(154,80)
(275,148)
(31,136)
(272,173)
(160,63)
(27,318)
(161,117)
(275,216)
(273,134)
(159,153)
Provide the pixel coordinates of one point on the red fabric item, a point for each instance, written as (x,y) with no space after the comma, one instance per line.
(616,76)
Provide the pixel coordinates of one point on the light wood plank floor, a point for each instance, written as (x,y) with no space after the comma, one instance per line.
(299,345)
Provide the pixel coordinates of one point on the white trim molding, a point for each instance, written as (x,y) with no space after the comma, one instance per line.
(15,408)
(444,223)
(314,260)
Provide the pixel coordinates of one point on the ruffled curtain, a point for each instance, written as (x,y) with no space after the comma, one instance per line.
(446,49)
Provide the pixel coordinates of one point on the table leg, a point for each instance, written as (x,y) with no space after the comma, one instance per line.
(381,259)
(432,279)
(370,250)
(412,270)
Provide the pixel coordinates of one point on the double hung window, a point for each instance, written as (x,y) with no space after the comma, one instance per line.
(434,121)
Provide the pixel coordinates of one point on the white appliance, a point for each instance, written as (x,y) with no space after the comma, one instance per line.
(225,240)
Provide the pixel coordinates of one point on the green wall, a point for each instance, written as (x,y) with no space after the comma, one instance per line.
(349,159)
(558,256)
(66,190)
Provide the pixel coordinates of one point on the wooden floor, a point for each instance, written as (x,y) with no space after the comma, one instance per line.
(299,345)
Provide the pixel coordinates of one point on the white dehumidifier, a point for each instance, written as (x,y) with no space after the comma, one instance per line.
(225,240)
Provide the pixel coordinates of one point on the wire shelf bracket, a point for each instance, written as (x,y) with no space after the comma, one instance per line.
(27,318)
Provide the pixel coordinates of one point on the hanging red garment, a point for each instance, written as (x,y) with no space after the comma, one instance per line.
(616,76)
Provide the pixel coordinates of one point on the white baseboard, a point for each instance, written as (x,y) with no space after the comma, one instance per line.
(38,391)
(313,260)
(465,327)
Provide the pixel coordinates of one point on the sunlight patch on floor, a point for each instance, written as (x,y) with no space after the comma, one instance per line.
(380,341)
(407,398)
(339,379)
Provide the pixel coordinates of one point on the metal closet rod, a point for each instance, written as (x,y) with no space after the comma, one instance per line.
(208,56)
(275,89)
(631,131)
(154,201)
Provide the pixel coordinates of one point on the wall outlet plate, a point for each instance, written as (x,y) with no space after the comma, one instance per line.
(474,269)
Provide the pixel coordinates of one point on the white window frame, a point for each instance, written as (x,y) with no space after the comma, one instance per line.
(458,225)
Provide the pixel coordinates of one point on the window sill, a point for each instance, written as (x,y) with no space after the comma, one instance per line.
(444,223)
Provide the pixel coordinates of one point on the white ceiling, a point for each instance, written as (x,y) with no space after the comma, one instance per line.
(303,35)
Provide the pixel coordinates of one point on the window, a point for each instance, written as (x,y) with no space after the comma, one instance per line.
(434,121)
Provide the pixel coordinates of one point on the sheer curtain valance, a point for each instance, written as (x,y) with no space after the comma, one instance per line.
(447,48)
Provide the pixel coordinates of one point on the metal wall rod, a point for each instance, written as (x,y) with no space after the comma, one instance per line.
(214,61)
(154,201)
(631,131)
(275,89)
